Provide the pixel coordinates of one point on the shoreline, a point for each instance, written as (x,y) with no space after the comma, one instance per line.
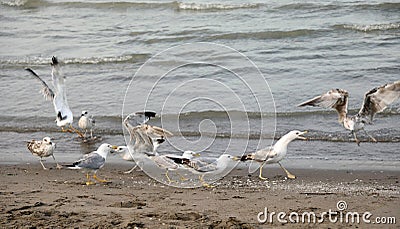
(32,196)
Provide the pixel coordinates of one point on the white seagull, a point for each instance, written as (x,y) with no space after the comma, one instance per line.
(208,165)
(85,122)
(44,148)
(172,162)
(275,153)
(375,101)
(128,156)
(93,162)
(64,116)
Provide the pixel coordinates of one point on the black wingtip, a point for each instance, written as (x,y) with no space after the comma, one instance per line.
(244,158)
(54,61)
(150,114)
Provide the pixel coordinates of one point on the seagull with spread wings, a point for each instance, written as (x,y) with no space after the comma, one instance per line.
(375,101)
(64,116)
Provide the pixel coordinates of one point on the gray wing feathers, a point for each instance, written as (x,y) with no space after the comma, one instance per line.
(46,91)
(377,99)
(91,161)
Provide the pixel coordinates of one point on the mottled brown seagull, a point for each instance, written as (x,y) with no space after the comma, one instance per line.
(375,101)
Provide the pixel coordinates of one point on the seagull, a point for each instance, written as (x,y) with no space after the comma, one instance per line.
(275,153)
(143,134)
(208,165)
(127,156)
(93,161)
(375,101)
(172,162)
(85,122)
(64,116)
(44,148)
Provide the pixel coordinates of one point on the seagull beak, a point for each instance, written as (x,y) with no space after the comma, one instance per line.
(114,147)
(197,155)
(301,137)
(236,158)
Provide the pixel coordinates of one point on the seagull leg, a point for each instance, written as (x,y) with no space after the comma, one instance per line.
(288,174)
(58,165)
(98,179)
(355,138)
(204,183)
(181,177)
(40,160)
(260,176)
(169,179)
(372,138)
(91,133)
(88,182)
(71,128)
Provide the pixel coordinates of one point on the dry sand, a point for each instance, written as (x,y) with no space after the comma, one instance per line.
(32,197)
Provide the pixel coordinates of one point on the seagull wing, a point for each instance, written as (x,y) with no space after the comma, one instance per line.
(90,161)
(335,98)
(164,162)
(377,99)
(203,164)
(139,118)
(46,91)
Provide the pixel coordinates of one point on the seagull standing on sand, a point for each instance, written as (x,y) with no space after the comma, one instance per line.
(275,153)
(64,116)
(44,148)
(128,156)
(172,162)
(93,162)
(375,101)
(208,165)
(85,122)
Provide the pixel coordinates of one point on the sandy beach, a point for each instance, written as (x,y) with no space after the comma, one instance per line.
(34,198)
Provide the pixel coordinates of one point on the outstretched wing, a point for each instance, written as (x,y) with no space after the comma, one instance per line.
(377,99)
(139,118)
(335,98)
(46,91)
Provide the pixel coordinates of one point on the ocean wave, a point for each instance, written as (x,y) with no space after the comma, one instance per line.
(215,6)
(82,60)
(266,34)
(369,28)
(174,5)
(14,2)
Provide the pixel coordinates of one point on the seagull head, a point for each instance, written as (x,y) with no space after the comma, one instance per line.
(47,140)
(297,134)
(105,148)
(190,154)
(84,113)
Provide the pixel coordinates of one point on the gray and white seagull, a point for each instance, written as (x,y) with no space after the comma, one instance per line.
(93,161)
(64,116)
(375,101)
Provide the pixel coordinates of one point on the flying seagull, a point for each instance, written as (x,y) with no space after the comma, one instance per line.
(44,148)
(275,153)
(93,161)
(64,116)
(375,101)
(86,122)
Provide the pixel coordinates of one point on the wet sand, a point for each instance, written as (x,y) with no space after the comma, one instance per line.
(31,197)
